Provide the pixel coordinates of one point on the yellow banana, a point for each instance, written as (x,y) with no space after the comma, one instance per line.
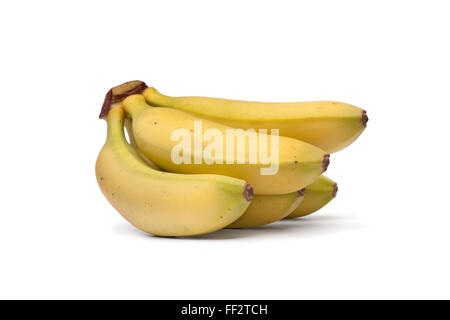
(161,203)
(133,144)
(298,163)
(317,195)
(328,125)
(266,209)
(263,209)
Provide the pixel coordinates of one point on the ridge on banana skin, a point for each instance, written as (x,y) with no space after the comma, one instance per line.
(329,125)
(161,203)
(317,195)
(263,209)
(300,163)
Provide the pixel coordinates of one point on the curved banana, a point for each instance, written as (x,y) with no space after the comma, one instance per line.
(317,195)
(266,209)
(161,203)
(329,125)
(263,209)
(298,165)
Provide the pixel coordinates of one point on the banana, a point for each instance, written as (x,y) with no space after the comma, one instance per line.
(161,203)
(263,209)
(329,125)
(298,163)
(266,209)
(134,146)
(317,195)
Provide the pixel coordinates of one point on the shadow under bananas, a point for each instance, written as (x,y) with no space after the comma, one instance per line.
(318,224)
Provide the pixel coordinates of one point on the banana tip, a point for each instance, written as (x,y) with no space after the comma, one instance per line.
(248,192)
(335,190)
(364,118)
(326,162)
(301,192)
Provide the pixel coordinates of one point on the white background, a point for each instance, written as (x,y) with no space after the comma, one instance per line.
(386,235)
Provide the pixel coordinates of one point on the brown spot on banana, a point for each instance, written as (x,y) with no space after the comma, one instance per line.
(248,192)
(364,118)
(301,192)
(326,162)
(335,190)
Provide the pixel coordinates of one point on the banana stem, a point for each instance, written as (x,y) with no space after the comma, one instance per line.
(116,118)
(155,98)
(134,104)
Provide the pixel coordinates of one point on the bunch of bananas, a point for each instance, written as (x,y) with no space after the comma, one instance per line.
(142,182)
